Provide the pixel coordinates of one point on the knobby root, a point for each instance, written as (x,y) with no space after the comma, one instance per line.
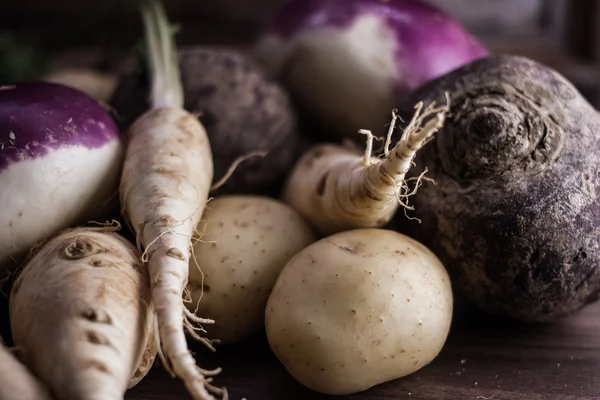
(414,136)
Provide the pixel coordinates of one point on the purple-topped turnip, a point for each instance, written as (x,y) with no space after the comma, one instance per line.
(349,61)
(60,158)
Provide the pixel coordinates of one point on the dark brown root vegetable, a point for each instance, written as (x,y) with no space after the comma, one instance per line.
(242,110)
(514,213)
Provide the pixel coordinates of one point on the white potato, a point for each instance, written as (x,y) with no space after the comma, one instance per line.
(357,309)
(245,243)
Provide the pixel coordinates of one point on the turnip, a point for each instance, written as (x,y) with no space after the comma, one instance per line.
(82,316)
(245,242)
(336,189)
(357,309)
(349,61)
(243,113)
(60,160)
(16,381)
(165,183)
(514,213)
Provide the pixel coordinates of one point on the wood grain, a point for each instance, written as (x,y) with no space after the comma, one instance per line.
(484,358)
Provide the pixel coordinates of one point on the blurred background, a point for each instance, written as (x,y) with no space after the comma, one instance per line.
(563,34)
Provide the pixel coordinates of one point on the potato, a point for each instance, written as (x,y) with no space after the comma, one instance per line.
(245,242)
(357,309)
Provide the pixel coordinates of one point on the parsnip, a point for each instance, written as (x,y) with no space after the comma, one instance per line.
(16,381)
(335,189)
(81,312)
(165,183)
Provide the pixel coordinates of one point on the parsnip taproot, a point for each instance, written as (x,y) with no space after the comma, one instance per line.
(335,189)
(166,180)
(81,313)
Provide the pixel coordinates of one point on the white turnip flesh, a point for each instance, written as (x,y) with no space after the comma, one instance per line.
(60,160)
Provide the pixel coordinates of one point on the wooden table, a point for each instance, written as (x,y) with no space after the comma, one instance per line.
(484,358)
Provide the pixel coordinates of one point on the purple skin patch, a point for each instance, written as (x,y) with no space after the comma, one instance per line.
(423,32)
(36,117)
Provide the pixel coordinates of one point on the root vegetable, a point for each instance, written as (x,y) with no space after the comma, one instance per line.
(243,112)
(350,61)
(60,162)
(357,309)
(16,381)
(514,213)
(81,312)
(335,189)
(245,242)
(98,85)
(164,187)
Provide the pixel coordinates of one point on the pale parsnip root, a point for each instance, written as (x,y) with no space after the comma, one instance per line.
(81,313)
(165,184)
(16,381)
(336,189)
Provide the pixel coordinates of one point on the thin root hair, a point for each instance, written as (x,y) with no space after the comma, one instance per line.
(388,139)
(197,264)
(402,193)
(369,146)
(415,124)
(110,226)
(193,317)
(419,181)
(187,295)
(193,333)
(145,256)
(233,167)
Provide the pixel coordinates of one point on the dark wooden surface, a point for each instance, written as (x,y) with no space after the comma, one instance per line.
(484,358)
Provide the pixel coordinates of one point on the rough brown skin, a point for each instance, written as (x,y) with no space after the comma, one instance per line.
(242,111)
(514,213)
